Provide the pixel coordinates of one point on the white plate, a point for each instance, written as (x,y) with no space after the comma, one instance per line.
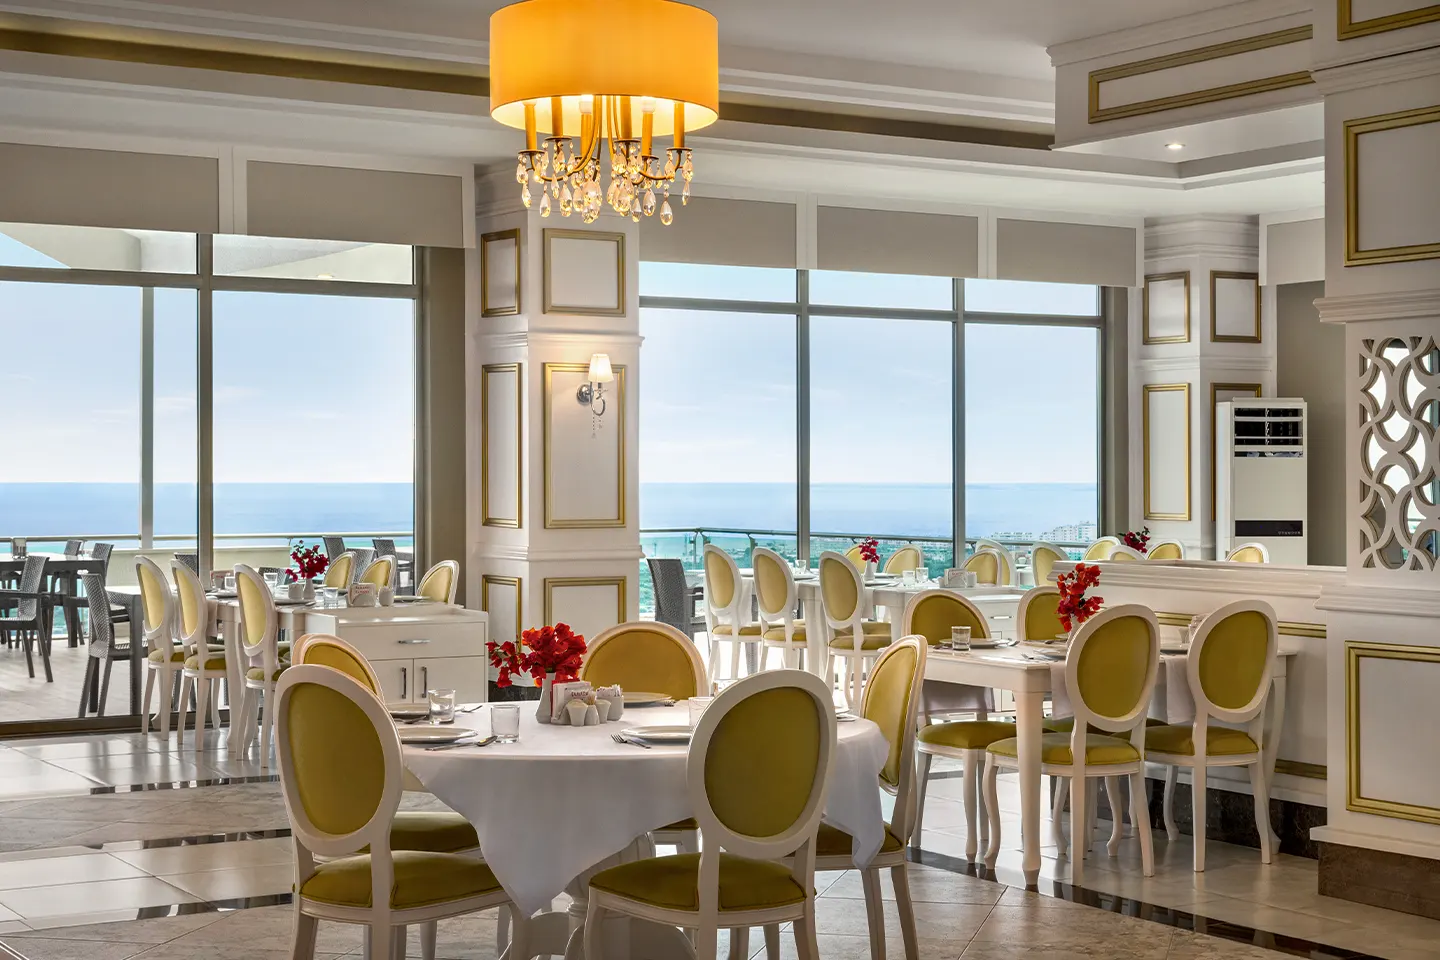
(408,711)
(663,733)
(287,602)
(428,734)
(224,594)
(638,698)
(408,599)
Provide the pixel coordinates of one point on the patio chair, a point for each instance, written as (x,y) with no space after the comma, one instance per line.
(334,546)
(26,613)
(675,599)
(191,560)
(386,548)
(95,687)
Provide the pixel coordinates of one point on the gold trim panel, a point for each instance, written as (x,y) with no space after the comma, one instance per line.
(619,409)
(485,583)
(1299,768)
(619,583)
(1145,308)
(486,372)
(1348,28)
(1354,651)
(1215,388)
(485,239)
(1228,338)
(1199,55)
(1145,435)
(1354,130)
(1290,628)
(619,240)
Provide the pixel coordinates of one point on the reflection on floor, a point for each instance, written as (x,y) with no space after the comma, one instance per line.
(204,871)
(23,697)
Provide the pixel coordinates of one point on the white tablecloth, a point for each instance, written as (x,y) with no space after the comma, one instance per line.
(564,798)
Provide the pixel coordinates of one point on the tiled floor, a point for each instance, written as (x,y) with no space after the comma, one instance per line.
(189,871)
(23,697)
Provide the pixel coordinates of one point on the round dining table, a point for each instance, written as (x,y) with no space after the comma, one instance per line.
(563,803)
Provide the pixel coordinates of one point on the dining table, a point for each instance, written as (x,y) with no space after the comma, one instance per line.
(66,567)
(562,803)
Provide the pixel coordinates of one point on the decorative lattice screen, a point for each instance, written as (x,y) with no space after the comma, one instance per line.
(1399,459)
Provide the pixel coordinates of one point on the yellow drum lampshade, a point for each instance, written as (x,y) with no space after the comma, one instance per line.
(657,52)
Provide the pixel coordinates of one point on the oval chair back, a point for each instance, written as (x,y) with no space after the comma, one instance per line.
(381,572)
(1230,663)
(647,656)
(440,582)
(930,614)
(156,605)
(193,621)
(328,650)
(1006,555)
(1035,616)
(853,555)
(1250,553)
(1100,549)
(892,702)
(841,592)
(722,589)
(1167,550)
(907,557)
(1043,557)
(1124,554)
(260,649)
(341,571)
(987,565)
(774,590)
(758,773)
(1110,673)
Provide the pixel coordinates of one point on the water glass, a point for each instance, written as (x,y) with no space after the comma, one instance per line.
(907,578)
(505,722)
(442,706)
(698,706)
(960,639)
(332,595)
(271,578)
(230,583)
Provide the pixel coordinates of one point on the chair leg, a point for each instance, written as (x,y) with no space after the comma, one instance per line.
(922,778)
(303,943)
(970,791)
(1260,787)
(1117,815)
(1079,830)
(502,929)
(1168,805)
(1140,815)
(380,942)
(1197,804)
(44,642)
(215,704)
(29,654)
(185,683)
(145,710)
(1061,787)
(900,878)
(992,808)
(807,947)
(707,943)
(166,700)
(104,688)
(267,722)
(202,698)
(398,942)
(874,911)
(735,659)
(429,933)
(714,661)
(85,684)
(739,943)
(772,942)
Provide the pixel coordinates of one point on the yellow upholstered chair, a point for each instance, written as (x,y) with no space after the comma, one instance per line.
(1110,674)
(1167,550)
(1100,549)
(1229,666)
(260,649)
(205,664)
(341,571)
(165,658)
(853,555)
(1043,557)
(726,615)
(1123,554)
(341,776)
(381,572)
(645,656)
(775,601)
(758,772)
(1250,553)
(907,557)
(440,582)
(852,637)
(988,566)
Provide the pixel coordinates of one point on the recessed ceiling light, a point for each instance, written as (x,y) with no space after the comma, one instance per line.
(1174,146)
(324,276)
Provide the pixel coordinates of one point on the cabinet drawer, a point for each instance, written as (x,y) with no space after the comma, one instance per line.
(400,641)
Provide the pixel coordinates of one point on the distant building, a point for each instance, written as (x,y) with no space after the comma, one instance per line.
(1072,533)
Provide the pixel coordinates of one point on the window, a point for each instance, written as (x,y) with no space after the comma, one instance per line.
(1028,296)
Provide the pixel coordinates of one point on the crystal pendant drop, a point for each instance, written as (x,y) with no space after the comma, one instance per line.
(525,195)
(666,214)
(649,203)
(688,168)
(685,194)
(521,175)
(565,201)
(544,204)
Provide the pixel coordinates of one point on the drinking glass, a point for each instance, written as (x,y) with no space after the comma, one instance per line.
(229,583)
(505,722)
(922,575)
(271,579)
(907,578)
(442,706)
(697,708)
(332,596)
(960,639)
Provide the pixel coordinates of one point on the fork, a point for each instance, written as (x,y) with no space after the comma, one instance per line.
(621,738)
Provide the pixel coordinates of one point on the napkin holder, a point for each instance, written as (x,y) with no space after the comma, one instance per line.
(362,594)
(615,697)
(953,579)
(561,696)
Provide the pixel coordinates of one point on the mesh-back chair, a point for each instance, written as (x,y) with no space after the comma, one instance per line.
(72,547)
(102,650)
(101,552)
(674,597)
(191,560)
(25,614)
(363,558)
(334,546)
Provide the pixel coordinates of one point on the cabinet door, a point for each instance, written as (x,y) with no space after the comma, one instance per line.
(467,676)
(397,680)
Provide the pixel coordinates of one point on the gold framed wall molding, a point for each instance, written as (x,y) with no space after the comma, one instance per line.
(1150,390)
(488,371)
(1354,130)
(1355,800)
(615,423)
(487,308)
(1255,390)
(1146,336)
(1216,337)
(1348,28)
(517,584)
(1286,628)
(1215,51)
(552,305)
(619,583)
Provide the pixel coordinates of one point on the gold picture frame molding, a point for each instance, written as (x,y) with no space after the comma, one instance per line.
(618,239)
(1355,651)
(486,310)
(619,409)
(1355,129)
(490,579)
(1145,336)
(619,583)
(486,518)
(1214,317)
(1152,388)
(1348,28)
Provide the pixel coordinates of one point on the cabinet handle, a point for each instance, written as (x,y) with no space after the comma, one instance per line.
(425,678)
(404,677)
(414,641)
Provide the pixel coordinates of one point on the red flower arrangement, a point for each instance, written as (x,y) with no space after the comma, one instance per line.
(556,650)
(1136,541)
(1074,607)
(870,550)
(310,563)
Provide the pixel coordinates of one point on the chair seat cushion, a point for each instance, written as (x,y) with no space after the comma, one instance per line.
(967,734)
(687,824)
(728,630)
(432,831)
(1066,724)
(834,842)
(176,655)
(213,661)
(258,673)
(876,637)
(778,633)
(421,879)
(1178,738)
(1055,748)
(671,883)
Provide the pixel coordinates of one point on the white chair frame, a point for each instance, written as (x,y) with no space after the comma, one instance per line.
(663,629)
(1094,552)
(159,636)
(837,627)
(385,926)
(1132,722)
(1264,552)
(1165,543)
(1061,556)
(797,842)
(267,651)
(792,651)
(1252,714)
(453,567)
(1008,556)
(1129,553)
(196,644)
(1002,569)
(731,614)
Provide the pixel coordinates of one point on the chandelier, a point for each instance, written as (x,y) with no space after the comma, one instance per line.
(554,71)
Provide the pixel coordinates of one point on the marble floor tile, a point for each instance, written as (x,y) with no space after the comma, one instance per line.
(47,783)
(201,857)
(103,895)
(17,833)
(63,870)
(252,881)
(153,930)
(1261,916)
(927,885)
(40,948)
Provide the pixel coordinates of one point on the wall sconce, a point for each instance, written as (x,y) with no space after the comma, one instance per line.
(592,394)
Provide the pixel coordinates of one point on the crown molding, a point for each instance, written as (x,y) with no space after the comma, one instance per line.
(1340,76)
(1192,29)
(1217,576)
(1360,308)
(1230,237)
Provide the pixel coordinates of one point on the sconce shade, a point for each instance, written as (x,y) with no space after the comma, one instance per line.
(600,371)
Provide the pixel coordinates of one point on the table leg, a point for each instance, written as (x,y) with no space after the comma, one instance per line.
(137,650)
(1272,736)
(1028,715)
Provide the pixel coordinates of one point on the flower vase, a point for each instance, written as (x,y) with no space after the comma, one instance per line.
(309,589)
(542,712)
(870,569)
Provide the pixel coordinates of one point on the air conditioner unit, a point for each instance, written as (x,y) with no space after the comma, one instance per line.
(1260,478)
